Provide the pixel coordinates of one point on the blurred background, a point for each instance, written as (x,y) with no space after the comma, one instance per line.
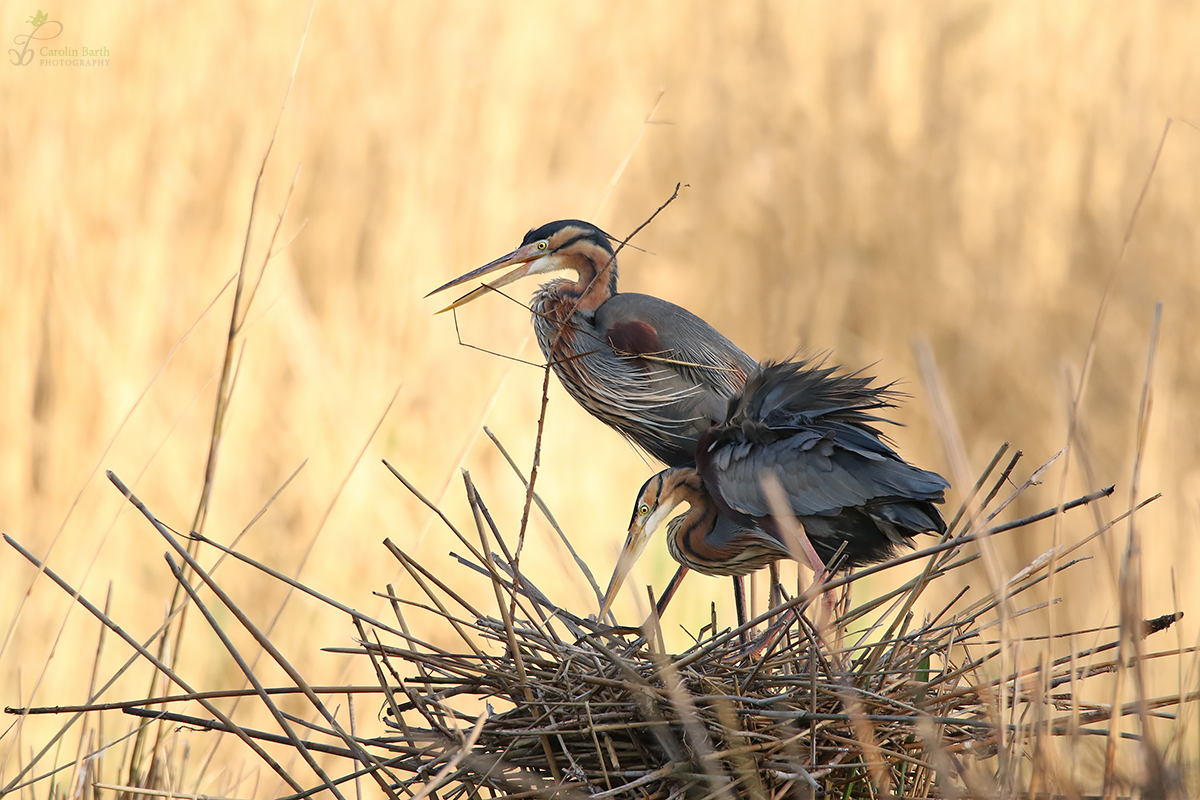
(860,178)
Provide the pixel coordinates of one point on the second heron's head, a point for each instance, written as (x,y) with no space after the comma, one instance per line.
(567,244)
(656,501)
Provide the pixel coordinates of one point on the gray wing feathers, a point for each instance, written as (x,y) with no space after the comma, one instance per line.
(813,429)
(818,475)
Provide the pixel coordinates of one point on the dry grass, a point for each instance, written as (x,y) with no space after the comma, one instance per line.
(859,178)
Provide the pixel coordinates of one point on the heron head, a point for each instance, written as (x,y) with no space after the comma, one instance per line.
(565,244)
(656,502)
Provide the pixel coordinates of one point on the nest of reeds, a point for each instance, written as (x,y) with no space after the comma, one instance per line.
(541,702)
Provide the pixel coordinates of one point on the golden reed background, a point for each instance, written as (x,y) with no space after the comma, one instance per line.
(861,177)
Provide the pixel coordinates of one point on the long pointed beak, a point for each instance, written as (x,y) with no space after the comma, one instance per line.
(635,543)
(522,256)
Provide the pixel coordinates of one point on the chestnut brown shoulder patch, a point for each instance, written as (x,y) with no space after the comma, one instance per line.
(634,338)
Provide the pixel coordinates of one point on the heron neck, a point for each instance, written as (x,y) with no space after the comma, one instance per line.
(701,515)
(596,279)
(683,485)
(689,533)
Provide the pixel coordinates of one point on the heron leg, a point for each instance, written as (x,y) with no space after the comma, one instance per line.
(739,601)
(669,592)
(810,554)
(820,574)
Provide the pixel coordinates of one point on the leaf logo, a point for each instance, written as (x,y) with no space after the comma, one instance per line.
(40,20)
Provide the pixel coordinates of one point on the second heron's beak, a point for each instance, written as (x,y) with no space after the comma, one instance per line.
(525,257)
(635,543)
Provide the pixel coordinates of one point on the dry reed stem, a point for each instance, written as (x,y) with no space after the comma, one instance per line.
(226,385)
(150,657)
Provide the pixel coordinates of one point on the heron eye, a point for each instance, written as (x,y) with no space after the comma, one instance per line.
(542,245)
(643,510)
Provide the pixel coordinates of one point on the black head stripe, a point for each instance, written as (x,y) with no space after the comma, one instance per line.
(656,480)
(586,231)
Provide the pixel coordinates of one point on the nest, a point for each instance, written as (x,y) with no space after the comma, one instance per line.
(553,704)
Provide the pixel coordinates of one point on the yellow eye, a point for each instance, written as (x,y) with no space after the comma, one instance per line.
(542,245)
(643,510)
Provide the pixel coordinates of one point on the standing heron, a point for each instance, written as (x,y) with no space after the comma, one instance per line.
(655,372)
(814,430)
